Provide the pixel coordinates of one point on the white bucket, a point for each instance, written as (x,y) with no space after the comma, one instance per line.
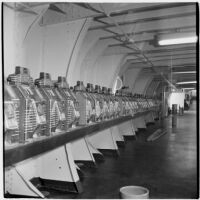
(134,192)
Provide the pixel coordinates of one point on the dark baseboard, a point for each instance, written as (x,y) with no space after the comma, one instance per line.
(72,187)
(120,144)
(86,163)
(80,174)
(98,157)
(16,196)
(141,129)
(109,152)
(136,131)
(150,123)
(129,137)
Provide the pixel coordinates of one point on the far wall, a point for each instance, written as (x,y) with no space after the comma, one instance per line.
(176,98)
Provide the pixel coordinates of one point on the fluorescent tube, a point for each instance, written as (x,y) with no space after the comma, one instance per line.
(176,38)
(188,88)
(184,40)
(187,82)
(185,72)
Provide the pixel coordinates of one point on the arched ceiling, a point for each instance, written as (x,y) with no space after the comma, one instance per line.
(140,22)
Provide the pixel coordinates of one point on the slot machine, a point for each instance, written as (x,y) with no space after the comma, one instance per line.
(98,101)
(126,104)
(118,95)
(146,102)
(140,103)
(12,107)
(153,103)
(106,106)
(111,103)
(149,102)
(72,115)
(63,105)
(32,121)
(146,105)
(85,108)
(135,103)
(131,104)
(117,108)
(94,103)
(55,114)
(102,102)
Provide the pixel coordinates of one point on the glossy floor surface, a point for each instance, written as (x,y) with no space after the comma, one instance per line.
(166,166)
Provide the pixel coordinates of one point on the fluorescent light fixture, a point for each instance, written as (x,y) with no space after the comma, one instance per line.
(176,38)
(187,82)
(185,72)
(188,88)
(185,40)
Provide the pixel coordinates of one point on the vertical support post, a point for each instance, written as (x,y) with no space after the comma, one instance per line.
(163,102)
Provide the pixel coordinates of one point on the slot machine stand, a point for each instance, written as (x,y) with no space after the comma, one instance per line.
(134,125)
(82,152)
(127,129)
(155,114)
(140,122)
(117,136)
(105,142)
(149,117)
(97,155)
(54,169)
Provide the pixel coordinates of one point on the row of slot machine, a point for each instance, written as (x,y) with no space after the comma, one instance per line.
(43,107)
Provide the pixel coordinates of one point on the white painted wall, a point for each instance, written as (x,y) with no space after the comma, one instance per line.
(105,69)
(9,52)
(151,88)
(176,98)
(55,47)
(16,51)
(46,48)
(141,83)
(194,93)
(88,65)
(130,77)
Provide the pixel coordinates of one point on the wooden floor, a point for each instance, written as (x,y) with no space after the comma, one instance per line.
(167,166)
